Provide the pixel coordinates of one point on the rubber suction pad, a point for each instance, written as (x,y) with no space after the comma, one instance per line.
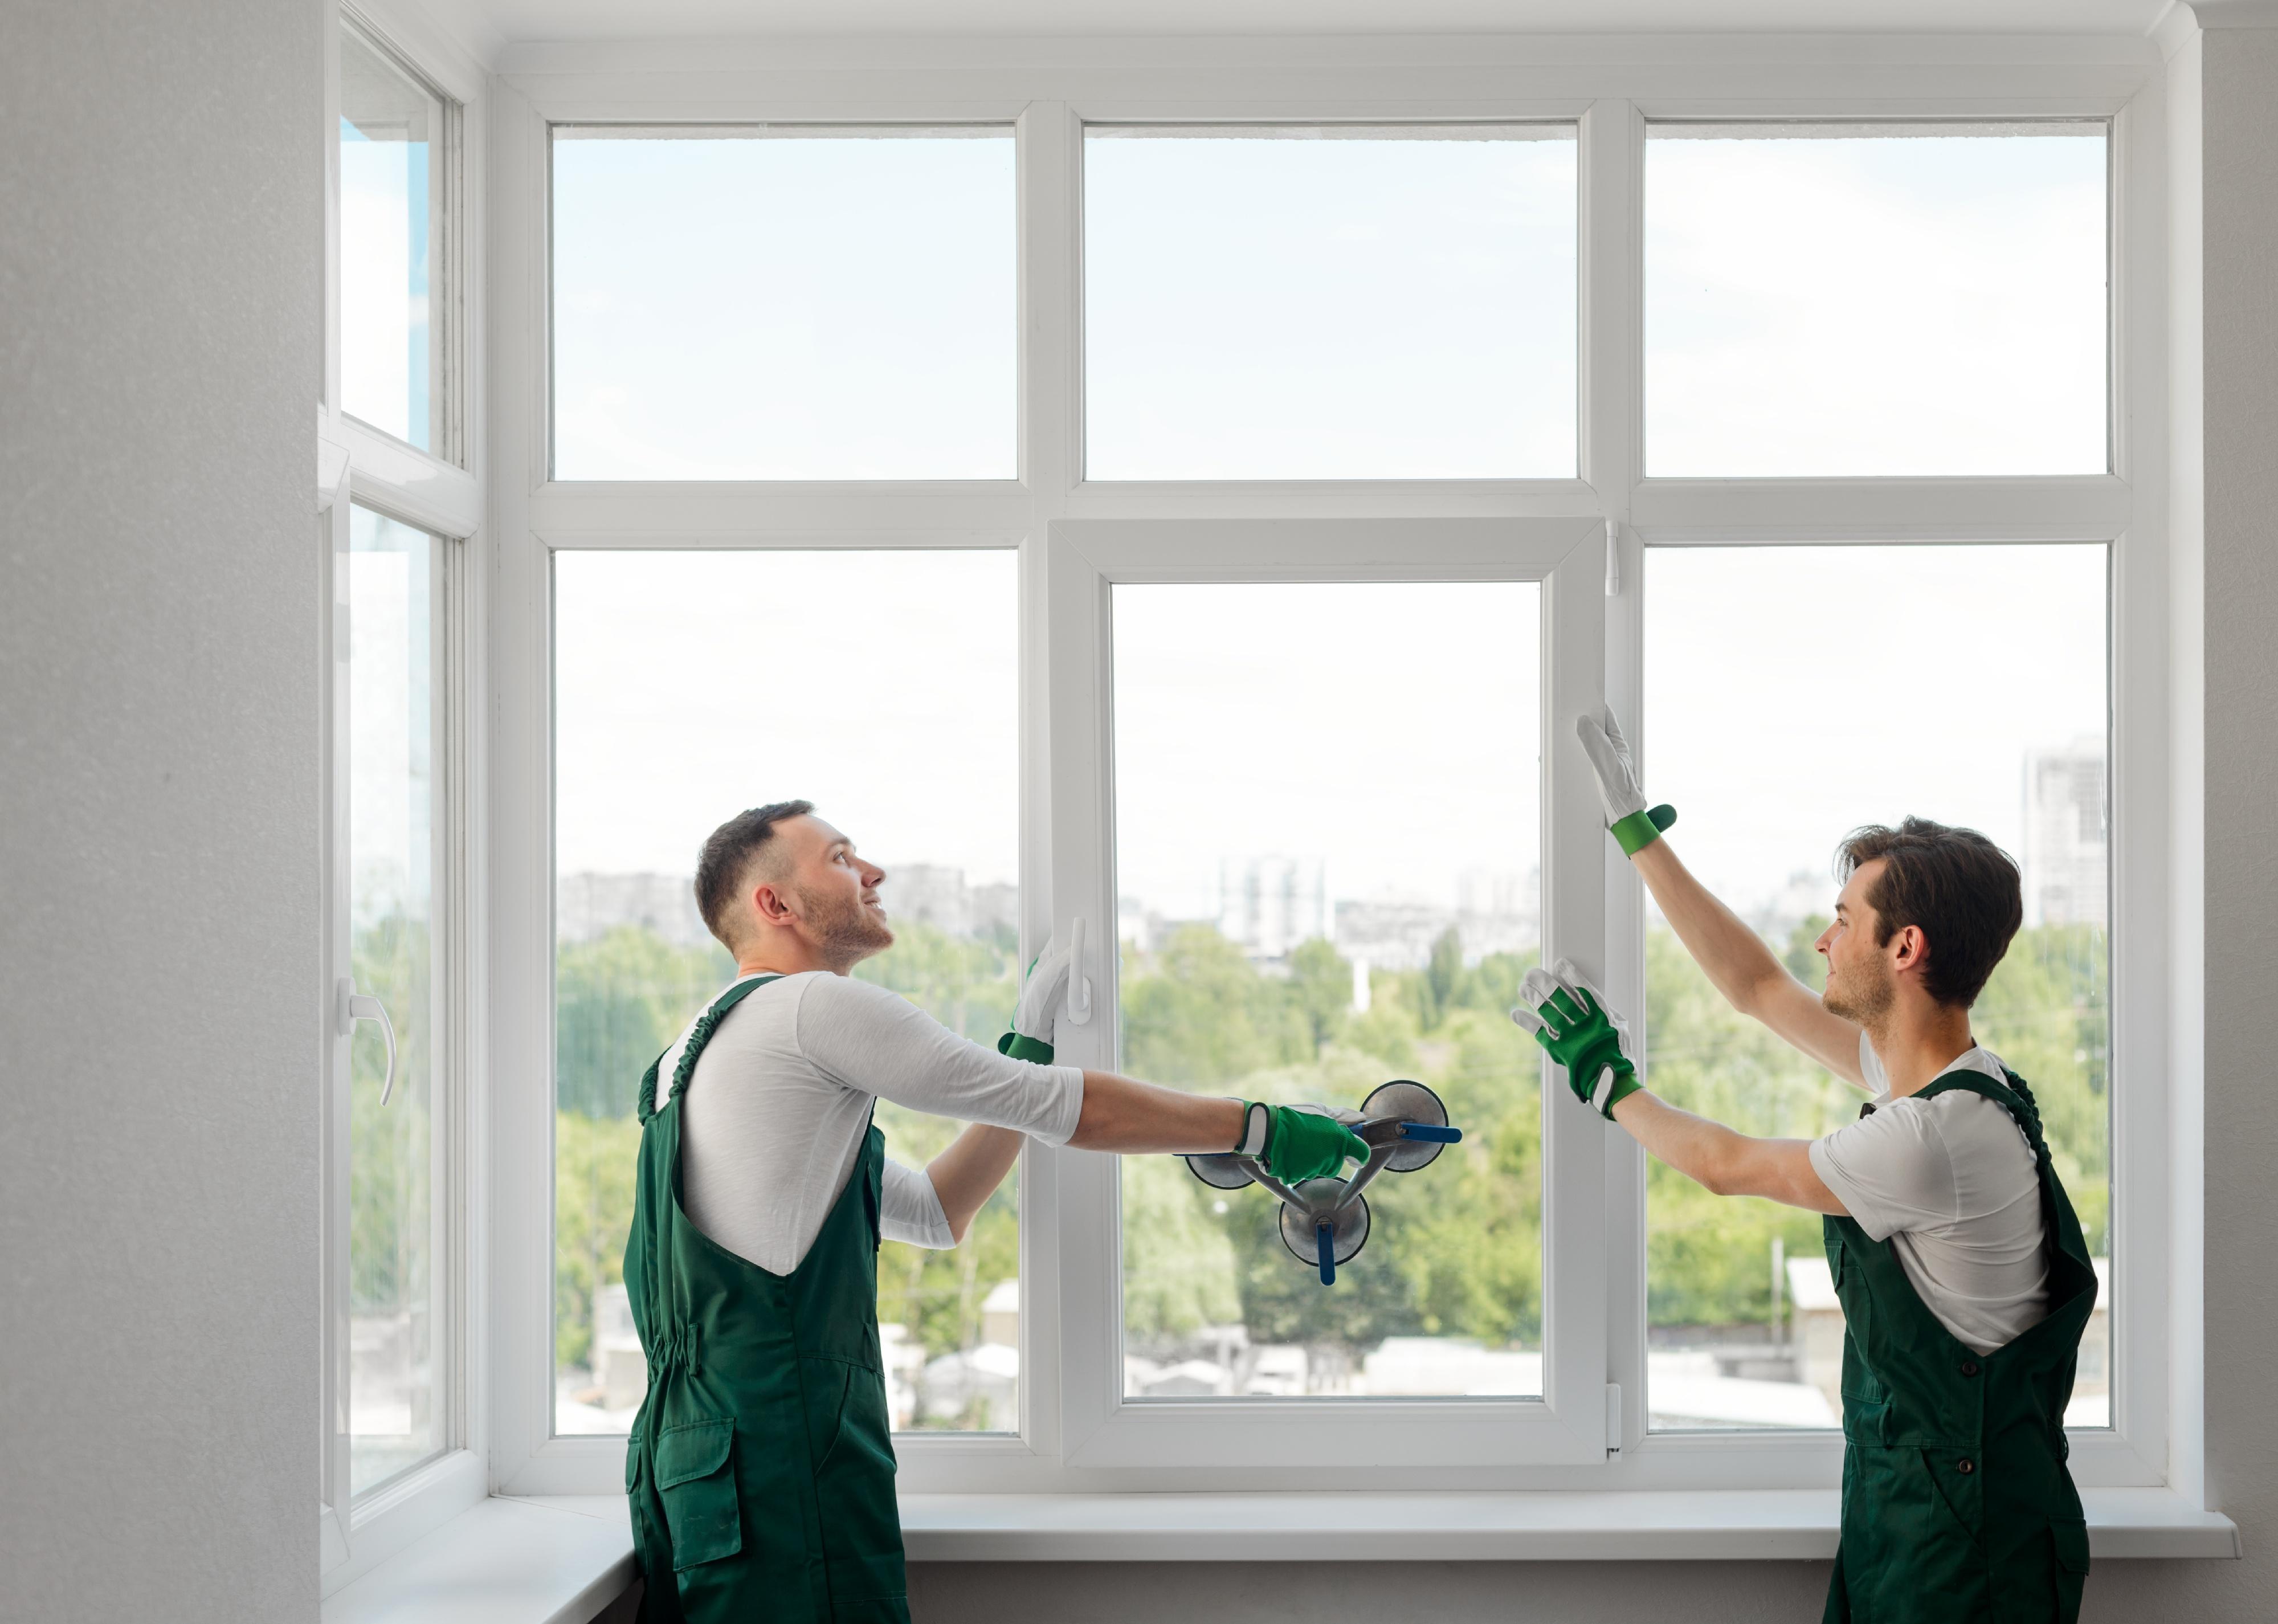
(1300,1229)
(1219,1172)
(1410,1102)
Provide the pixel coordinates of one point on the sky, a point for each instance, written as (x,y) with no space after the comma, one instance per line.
(1321,308)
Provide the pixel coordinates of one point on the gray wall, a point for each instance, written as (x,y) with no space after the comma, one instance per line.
(160,211)
(2240,130)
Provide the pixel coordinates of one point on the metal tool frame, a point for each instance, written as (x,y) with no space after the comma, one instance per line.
(1330,1210)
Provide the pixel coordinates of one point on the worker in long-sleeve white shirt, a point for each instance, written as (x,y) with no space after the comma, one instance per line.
(761,1466)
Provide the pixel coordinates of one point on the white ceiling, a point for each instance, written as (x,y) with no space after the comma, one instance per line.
(522,21)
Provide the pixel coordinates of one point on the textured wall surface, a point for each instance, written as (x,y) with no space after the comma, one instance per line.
(161,190)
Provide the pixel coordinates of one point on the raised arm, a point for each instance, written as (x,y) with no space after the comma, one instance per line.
(1734,958)
(1742,967)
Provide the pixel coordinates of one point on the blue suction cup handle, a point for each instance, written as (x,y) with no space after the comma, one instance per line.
(1325,1243)
(1431,1132)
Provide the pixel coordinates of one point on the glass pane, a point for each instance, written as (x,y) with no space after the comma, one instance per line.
(394,1400)
(666,725)
(1274,302)
(1746,1331)
(1329,878)
(1881,300)
(391,219)
(780,303)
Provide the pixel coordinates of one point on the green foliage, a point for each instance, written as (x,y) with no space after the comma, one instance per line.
(390,1145)
(594,1161)
(1457,1251)
(619,1000)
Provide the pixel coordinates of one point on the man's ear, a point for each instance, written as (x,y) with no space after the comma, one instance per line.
(1914,948)
(771,905)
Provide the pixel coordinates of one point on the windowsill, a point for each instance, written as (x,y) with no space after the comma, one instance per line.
(561,1558)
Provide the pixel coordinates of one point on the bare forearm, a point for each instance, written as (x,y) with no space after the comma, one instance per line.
(1734,957)
(1126,1116)
(967,1173)
(1723,1161)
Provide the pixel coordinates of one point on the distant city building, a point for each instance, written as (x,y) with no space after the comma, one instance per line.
(1268,905)
(590,905)
(928,893)
(1498,910)
(1390,935)
(2066,852)
(996,910)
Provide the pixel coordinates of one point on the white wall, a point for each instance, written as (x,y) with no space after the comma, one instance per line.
(2239,110)
(160,203)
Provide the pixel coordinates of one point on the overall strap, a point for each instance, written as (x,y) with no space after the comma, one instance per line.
(2011,1094)
(698,1035)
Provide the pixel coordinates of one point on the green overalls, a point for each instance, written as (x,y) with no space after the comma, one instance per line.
(1957,1507)
(760,1468)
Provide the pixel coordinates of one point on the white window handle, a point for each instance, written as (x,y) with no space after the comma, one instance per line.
(1079,1003)
(351,1007)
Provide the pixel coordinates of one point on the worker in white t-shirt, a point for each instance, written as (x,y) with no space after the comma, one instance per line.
(1955,1252)
(761,1468)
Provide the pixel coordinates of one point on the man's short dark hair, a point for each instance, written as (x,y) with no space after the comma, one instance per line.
(726,858)
(1956,885)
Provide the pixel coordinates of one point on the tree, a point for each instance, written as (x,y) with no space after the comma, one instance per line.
(1321,986)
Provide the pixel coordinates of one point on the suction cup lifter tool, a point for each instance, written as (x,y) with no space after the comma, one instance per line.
(1324,1220)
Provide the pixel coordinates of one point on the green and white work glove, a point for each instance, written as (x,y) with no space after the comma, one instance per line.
(1295,1144)
(1627,819)
(1042,995)
(1571,1022)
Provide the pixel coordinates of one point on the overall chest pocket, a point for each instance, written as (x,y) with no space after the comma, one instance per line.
(696,1479)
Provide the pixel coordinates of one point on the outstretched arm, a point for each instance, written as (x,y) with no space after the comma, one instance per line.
(1741,967)
(1726,1162)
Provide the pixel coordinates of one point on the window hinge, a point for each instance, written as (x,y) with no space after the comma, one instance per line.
(1613,1417)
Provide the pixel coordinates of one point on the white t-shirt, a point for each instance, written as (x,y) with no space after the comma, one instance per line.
(1951,1183)
(782,1095)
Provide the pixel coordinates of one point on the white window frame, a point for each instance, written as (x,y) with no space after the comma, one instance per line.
(1075,535)
(442,495)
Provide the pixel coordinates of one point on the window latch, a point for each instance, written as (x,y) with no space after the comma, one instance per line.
(1079,997)
(1613,1417)
(350,1006)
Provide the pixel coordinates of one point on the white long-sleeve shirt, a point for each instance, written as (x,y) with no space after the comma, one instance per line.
(782,1094)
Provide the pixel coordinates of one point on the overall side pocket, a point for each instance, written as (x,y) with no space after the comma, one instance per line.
(696,1479)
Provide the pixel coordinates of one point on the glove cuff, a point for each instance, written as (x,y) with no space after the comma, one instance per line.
(1021,1046)
(1641,830)
(1615,1089)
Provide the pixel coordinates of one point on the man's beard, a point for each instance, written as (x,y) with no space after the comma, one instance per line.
(842,927)
(1864,1005)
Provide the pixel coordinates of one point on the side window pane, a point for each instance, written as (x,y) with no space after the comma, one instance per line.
(1875,300)
(1998,725)
(1330,303)
(394,1419)
(888,696)
(391,173)
(1330,879)
(766,303)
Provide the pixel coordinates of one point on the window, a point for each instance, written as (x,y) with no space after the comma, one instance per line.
(1302,923)
(394,1393)
(1999,722)
(1329,302)
(1303,449)
(1874,299)
(783,303)
(882,686)
(392,178)
(401,947)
